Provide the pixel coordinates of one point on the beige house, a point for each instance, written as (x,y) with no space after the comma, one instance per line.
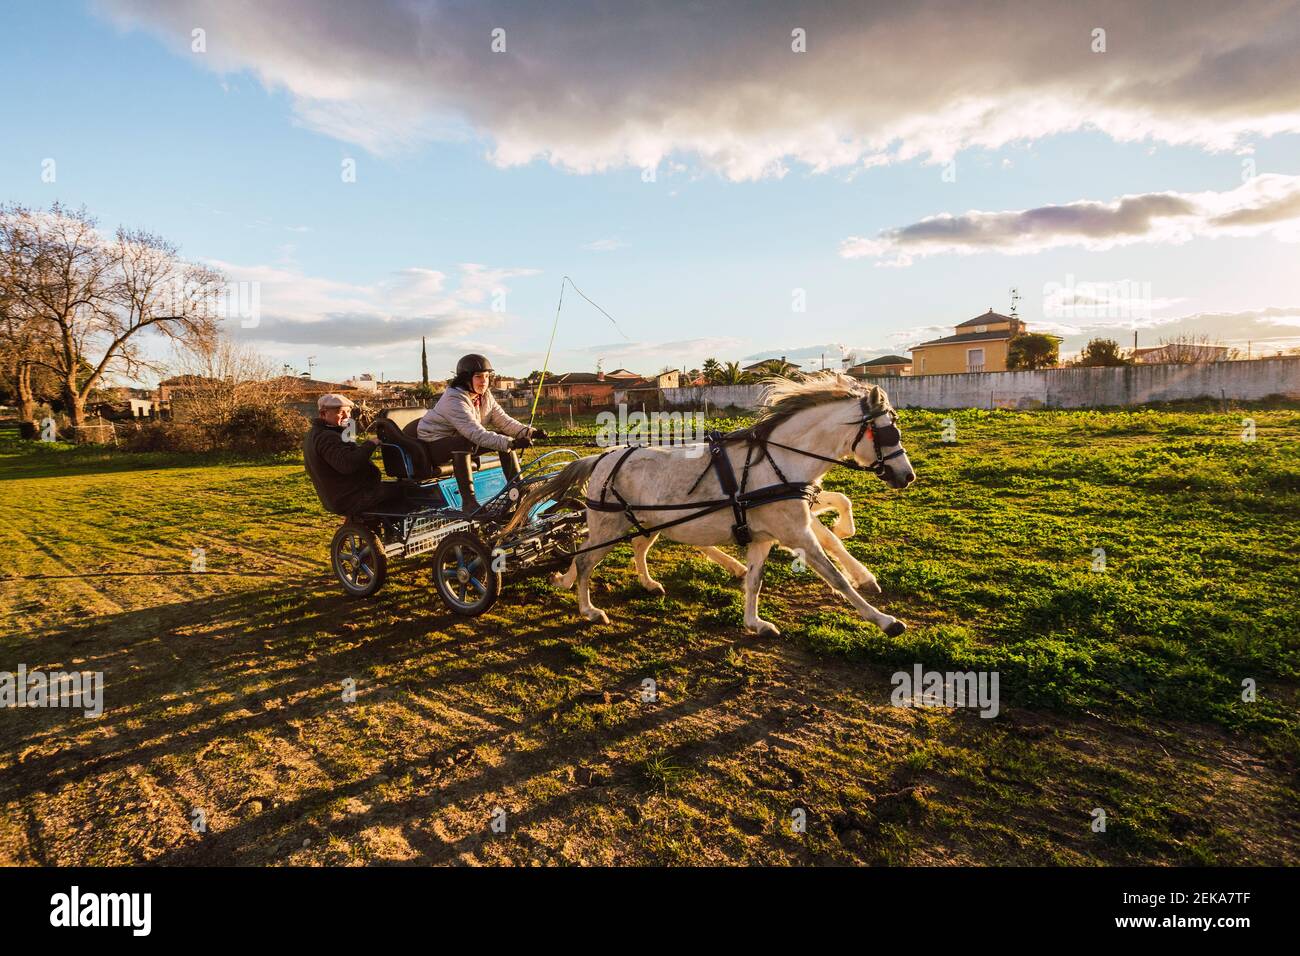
(979,345)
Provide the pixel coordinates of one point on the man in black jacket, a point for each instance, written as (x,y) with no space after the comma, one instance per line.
(345,480)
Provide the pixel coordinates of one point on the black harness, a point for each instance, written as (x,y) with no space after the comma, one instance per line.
(738,496)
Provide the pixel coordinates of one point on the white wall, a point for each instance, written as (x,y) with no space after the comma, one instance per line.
(1052,388)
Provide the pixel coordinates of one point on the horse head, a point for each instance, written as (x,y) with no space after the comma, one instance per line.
(878,444)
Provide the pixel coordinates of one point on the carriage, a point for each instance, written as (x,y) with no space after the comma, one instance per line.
(471,553)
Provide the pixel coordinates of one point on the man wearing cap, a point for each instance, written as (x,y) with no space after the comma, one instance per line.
(345,479)
(466,418)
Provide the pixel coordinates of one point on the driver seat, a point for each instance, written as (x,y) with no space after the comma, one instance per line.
(396,427)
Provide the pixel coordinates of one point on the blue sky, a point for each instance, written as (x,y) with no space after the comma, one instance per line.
(226,153)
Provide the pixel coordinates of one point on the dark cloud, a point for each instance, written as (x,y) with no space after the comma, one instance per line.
(355,330)
(589,85)
(1264,204)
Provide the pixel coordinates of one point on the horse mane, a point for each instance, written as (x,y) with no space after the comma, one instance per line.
(782,397)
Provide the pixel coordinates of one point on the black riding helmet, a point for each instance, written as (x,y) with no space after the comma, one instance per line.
(468,366)
(472,363)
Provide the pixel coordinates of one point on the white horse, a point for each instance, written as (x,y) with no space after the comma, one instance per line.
(805,427)
(824,503)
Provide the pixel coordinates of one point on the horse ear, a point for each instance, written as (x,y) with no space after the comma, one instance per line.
(877,400)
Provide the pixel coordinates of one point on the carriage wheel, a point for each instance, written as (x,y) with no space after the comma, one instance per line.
(462,571)
(358,560)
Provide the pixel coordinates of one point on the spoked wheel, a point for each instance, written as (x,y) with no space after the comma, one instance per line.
(358,560)
(462,570)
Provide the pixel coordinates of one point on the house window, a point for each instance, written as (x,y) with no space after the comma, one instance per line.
(922,363)
(974,360)
(981,328)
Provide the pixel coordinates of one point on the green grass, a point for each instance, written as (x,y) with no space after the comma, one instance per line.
(1121,688)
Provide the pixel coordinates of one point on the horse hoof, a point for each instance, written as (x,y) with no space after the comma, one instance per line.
(895,629)
(764,629)
(870,585)
(597,617)
(656,588)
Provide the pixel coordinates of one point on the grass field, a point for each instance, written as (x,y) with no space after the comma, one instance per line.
(1122,689)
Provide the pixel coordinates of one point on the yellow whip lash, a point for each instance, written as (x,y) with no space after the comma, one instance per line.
(555,326)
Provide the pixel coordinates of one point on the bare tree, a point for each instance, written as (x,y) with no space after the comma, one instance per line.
(94,296)
(218,375)
(1192,349)
(21,334)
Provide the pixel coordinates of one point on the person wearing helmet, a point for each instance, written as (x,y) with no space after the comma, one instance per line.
(466,418)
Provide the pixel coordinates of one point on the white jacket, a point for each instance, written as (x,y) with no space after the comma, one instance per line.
(456,414)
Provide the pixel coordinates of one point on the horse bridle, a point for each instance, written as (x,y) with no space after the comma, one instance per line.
(882,436)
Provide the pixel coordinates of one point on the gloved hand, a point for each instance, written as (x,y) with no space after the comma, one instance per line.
(540,433)
(523,441)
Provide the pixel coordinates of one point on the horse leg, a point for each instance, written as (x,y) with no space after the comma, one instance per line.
(640,548)
(718,556)
(586,564)
(858,575)
(806,539)
(756,554)
(601,526)
(843,508)
(566,579)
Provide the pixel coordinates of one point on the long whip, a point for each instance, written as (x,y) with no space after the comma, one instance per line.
(554,327)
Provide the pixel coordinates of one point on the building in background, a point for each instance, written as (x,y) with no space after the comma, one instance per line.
(978,345)
(884,365)
(771,366)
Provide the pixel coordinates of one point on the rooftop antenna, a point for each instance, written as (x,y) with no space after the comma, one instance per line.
(311,364)
(1015,298)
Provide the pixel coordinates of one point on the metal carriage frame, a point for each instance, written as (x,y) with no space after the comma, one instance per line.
(471,555)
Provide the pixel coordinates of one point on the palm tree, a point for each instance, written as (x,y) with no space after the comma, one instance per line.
(733,374)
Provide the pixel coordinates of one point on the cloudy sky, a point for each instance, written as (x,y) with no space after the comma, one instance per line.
(729,179)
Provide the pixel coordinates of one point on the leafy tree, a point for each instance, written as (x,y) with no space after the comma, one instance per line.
(424,364)
(1033,350)
(712,369)
(1102,353)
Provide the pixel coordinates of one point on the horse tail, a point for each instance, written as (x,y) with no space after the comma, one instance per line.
(575,473)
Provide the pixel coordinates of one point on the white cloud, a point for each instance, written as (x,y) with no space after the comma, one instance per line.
(591,87)
(300,309)
(604,245)
(1263,205)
